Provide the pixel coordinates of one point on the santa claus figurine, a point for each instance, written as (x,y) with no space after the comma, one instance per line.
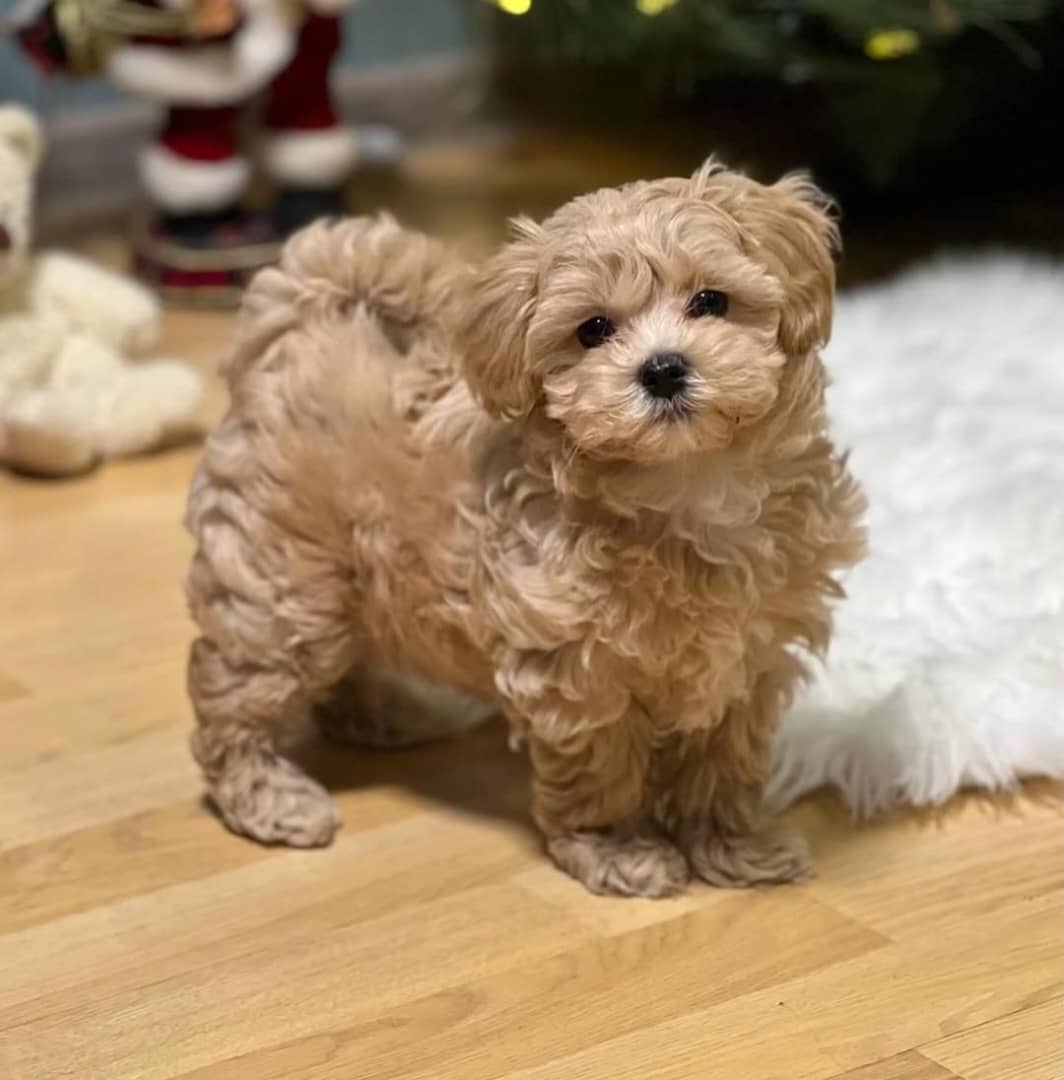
(206,61)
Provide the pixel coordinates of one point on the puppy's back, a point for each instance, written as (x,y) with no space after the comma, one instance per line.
(332,270)
(337,351)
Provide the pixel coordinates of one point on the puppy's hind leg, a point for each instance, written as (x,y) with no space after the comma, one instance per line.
(257,792)
(257,665)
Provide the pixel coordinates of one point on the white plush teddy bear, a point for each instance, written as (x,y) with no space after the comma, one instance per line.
(68,397)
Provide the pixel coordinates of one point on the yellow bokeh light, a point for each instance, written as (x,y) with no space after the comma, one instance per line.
(515,7)
(891,44)
(653,7)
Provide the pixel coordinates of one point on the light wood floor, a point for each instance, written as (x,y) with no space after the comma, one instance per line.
(139,940)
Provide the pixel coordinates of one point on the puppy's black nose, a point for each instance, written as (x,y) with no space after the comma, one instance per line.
(664,375)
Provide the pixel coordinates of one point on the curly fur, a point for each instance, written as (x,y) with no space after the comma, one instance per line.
(423,472)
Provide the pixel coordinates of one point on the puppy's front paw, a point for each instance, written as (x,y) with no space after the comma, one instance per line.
(771,855)
(643,863)
(271,800)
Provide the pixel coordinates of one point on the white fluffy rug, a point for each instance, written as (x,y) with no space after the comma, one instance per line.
(947,668)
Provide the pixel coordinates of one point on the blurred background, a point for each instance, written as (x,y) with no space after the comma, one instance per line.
(934,122)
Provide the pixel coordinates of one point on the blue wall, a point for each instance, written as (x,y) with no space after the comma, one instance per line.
(377,32)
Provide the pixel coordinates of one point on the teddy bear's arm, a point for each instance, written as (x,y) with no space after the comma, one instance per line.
(29,347)
(95,301)
(88,404)
(130,408)
(46,433)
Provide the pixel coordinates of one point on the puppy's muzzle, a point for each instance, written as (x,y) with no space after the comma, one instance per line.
(665,375)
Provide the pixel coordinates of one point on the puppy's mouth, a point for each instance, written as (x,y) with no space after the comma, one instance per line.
(676,410)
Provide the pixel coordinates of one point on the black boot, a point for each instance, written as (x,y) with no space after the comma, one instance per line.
(296,207)
(205,259)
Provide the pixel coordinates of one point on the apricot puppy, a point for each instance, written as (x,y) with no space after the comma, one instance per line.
(588,483)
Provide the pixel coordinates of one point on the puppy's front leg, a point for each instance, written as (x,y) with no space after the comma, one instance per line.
(589,799)
(712,803)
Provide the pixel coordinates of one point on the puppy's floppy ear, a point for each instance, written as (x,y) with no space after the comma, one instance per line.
(494,326)
(789,227)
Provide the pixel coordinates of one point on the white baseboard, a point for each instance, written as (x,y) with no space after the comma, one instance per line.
(89,174)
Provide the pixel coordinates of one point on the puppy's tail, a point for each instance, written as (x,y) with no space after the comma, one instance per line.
(332,270)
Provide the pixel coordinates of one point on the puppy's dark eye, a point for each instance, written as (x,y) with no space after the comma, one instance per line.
(708,302)
(594,331)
